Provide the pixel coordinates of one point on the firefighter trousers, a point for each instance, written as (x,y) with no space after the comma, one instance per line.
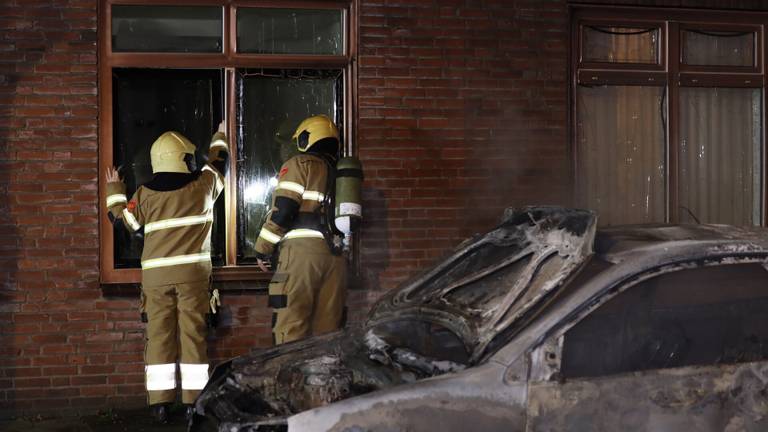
(308,290)
(176,331)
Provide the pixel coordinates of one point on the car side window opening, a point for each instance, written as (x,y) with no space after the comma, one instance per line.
(700,316)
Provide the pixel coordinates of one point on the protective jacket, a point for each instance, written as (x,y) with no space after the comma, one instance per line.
(296,202)
(176,223)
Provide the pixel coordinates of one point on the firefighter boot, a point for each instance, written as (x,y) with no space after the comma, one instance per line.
(160,413)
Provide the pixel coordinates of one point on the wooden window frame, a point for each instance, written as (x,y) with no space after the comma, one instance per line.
(228,61)
(673,74)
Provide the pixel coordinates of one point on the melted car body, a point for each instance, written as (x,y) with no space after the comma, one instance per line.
(478,341)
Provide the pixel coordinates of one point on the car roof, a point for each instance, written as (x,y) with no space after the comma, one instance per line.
(616,244)
(633,249)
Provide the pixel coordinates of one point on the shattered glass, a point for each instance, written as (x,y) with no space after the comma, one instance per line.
(290,31)
(270,105)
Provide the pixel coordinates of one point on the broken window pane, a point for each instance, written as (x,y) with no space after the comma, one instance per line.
(616,44)
(701,316)
(270,105)
(167,28)
(721,155)
(146,103)
(710,48)
(290,31)
(620,152)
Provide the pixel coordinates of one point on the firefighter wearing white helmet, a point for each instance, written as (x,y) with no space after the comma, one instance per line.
(174,213)
(308,289)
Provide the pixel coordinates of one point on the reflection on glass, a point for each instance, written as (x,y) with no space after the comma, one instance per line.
(290,31)
(620,44)
(166,28)
(720,155)
(718,48)
(620,152)
(270,105)
(146,103)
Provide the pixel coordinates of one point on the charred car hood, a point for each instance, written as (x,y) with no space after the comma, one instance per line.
(256,392)
(438,323)
(494,279)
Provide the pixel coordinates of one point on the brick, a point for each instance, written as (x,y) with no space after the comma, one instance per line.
(88,380)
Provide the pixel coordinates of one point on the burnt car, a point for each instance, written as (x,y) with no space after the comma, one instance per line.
(541,324)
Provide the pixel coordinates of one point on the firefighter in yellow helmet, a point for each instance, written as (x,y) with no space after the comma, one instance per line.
(308,290)
(174,213)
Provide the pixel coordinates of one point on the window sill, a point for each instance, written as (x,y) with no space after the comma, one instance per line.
(220,274)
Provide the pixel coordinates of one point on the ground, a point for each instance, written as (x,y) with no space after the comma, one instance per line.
(136,420)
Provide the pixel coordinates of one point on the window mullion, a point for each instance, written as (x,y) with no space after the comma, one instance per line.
(673,122)
(231,196)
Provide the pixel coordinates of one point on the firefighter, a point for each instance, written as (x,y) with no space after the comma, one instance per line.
(174,212)
(308,290)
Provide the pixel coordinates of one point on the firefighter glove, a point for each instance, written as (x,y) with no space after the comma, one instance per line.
(215,300)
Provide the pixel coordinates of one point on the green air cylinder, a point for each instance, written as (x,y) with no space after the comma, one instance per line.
(349,180)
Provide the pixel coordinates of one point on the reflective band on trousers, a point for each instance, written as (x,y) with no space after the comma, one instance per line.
(303,233)
(269,235)
(193,376)
(219,182)
(291,186)
(130,219)
(161,376)
(218,143)
(178,222)
(313,196)
(116,199)
(175,260)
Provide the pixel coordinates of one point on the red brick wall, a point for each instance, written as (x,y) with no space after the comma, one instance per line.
(462,110)
(759,5)
(60,341)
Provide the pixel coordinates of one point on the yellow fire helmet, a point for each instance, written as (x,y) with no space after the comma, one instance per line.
(314,129)
(169,153)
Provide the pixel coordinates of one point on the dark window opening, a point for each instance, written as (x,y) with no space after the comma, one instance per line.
(703,316)
(146,103)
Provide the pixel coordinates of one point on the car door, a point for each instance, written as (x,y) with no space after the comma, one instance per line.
(679,350)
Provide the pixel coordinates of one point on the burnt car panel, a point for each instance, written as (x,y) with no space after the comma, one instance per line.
(662,349)
(494,279)
(477,399)
(472,334)
(728,398)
